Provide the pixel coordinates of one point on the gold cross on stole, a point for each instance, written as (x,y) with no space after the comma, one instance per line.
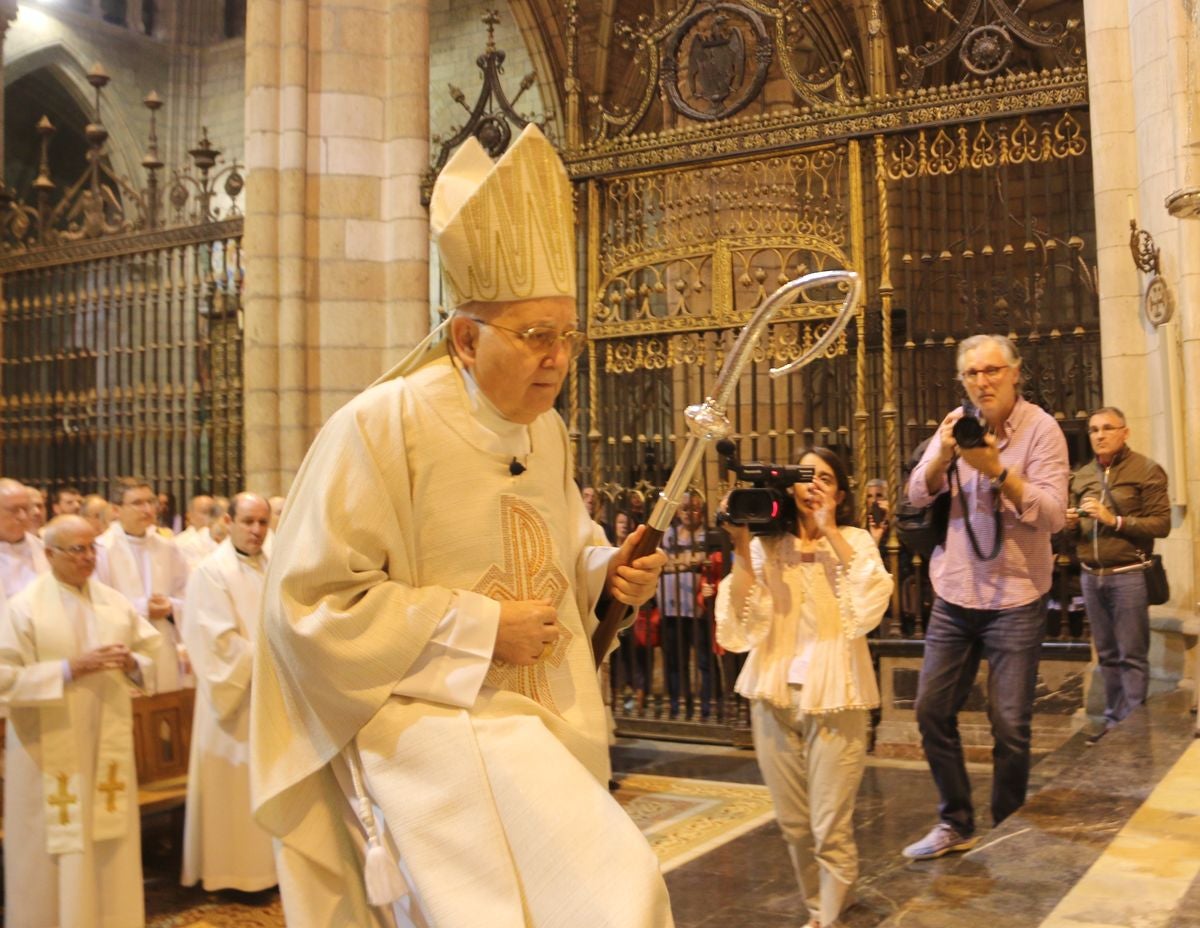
(63,799)
(529,571)
(112,787)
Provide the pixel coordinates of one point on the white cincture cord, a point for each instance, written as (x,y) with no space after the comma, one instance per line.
(381,871)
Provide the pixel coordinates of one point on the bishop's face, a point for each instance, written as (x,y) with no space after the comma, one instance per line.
(520,379)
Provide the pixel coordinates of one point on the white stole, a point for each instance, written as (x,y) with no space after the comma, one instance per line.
(61,779)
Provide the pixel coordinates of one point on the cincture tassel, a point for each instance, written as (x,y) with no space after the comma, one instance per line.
(381,872)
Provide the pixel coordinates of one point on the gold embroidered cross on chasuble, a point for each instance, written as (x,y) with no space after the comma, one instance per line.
(528,572)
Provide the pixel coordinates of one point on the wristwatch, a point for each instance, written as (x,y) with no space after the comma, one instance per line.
(998,480)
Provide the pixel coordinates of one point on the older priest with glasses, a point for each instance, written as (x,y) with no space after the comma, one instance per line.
(71,648)
(428,737)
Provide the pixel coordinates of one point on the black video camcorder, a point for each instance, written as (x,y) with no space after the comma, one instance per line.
(767,507)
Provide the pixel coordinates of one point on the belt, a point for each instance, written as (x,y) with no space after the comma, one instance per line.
(1108,571)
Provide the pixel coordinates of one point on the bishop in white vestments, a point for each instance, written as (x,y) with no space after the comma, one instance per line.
(149,571)
(73,649)
(428,737)
(223,847)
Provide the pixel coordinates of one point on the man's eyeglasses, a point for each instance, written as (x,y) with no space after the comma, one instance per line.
(543,339)
(990,373)
(1093,429)
(74,550)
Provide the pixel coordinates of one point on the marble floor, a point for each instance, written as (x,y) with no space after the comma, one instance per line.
(1110,837)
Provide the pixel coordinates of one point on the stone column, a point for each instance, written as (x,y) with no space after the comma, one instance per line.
(336,237)
(1135,70)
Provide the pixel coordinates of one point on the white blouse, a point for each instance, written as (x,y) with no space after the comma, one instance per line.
(803,618)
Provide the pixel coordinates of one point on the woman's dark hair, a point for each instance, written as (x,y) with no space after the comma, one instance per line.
(845,514)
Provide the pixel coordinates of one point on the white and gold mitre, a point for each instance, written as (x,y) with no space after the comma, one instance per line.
(505,230)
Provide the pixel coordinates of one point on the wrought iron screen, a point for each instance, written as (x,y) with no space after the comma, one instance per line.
(121,325)
(127,362)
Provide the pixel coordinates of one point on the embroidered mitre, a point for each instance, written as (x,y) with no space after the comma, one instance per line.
(505,230)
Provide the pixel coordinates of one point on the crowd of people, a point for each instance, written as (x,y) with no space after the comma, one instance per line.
(397,675)
(101,601)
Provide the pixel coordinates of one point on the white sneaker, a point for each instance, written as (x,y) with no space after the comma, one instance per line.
(942,839)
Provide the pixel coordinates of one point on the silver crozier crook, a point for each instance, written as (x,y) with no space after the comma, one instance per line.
(708,422)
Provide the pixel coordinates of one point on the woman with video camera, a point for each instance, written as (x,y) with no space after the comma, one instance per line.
(801,602)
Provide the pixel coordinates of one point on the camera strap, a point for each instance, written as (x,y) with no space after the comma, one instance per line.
(998,538)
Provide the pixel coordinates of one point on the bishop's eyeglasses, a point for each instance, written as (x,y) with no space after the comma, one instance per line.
(543,339)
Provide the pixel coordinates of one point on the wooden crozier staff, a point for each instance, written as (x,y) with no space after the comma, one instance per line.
(708,422)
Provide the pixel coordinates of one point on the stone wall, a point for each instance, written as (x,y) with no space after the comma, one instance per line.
(71,43)
(457,36)
(1140,56)
(336,237)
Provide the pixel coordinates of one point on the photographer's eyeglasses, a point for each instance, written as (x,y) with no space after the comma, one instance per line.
(74,550)
(991,374)
(543,339)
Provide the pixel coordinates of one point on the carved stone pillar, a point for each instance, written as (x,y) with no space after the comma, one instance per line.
(1138,75)
(336,237)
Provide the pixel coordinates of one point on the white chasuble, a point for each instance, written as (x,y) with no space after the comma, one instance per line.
(404,516)
(139,568)
(71,782)
(223,847)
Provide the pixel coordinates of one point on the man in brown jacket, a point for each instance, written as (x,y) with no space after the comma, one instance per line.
(1120,507)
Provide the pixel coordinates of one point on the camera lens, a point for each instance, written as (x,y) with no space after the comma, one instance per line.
(969,432)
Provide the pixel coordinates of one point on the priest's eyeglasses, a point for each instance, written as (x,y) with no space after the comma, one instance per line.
(75,550)
(991,374)
(543,339)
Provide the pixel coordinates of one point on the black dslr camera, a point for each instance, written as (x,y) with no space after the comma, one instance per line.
(767,507)
(971,429)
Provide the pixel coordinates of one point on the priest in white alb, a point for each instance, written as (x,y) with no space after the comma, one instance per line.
(72,649)
(149,571)
(196,541)
(223,847)
(22,554)
(428,737)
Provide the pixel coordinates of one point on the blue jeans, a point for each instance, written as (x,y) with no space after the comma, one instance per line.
(681,634)
(1120,620)
(1010,641)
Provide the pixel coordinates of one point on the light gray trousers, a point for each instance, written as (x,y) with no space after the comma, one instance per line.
(813,765)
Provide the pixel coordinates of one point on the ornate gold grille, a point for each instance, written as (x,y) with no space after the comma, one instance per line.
(960,186)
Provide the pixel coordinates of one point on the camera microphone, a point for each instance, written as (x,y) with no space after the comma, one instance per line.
(516,468)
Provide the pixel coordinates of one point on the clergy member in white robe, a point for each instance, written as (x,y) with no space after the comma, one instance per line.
(196,541)
(72,649)
(22,553)
(425,694)
(223,847)
(148,570)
